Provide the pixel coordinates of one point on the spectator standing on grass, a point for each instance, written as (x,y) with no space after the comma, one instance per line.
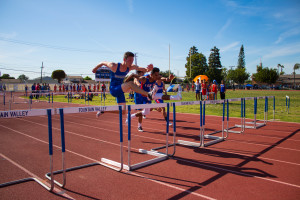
(203,89)
(215,89)
(193,86)
(222,90)
(197,86)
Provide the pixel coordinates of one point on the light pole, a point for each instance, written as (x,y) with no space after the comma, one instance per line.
(42,72)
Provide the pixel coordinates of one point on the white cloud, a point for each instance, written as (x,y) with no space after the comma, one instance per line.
(287,34)
(229,47)
(283,51)
(224,27)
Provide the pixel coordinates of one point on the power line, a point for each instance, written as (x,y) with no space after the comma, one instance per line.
(19,70)
(54,47)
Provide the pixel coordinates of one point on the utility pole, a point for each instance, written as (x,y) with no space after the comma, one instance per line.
(42,72)
(169,60)
(135,58)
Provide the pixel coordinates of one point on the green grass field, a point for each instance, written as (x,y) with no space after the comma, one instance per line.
(235,107)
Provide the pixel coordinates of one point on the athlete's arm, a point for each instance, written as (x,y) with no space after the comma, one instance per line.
(135,67)
(111,65)
(170,78)
(131,76)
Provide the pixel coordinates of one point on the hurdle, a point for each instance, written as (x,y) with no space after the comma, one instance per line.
(287,104)
(174,134)
(243,116)
(63,111)
(255,121)
(159,157)
(214,139)
(202,136)
(37,112)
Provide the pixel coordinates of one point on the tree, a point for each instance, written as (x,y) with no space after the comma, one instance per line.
(7,76)
(59,75)
(198,64)
(23,77)
(87,78)
(214,66)
(266,75)
(241,60)
(238,75)
(296,67)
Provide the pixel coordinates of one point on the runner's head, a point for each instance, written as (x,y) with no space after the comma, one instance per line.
(155,73)
(140,73)
(128,58)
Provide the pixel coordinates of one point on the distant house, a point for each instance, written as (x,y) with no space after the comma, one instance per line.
(288,80)
(46,79)
(73,79)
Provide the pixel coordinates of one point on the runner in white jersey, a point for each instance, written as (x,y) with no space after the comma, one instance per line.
(161,89)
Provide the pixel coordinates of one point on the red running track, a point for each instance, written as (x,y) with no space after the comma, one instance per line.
(259,164)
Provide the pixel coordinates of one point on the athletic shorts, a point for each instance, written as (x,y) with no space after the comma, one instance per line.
(116,91)
(197,91)
(145,100)
(159,101)
(138,99)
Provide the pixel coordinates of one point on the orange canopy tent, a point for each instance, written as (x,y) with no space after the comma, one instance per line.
(201,77)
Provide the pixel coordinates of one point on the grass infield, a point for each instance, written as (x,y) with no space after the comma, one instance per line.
(235,107)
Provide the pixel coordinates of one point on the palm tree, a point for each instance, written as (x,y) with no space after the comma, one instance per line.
(281,68)
(296,67)
(278,65)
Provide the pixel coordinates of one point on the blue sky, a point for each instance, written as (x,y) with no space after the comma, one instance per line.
(75,35)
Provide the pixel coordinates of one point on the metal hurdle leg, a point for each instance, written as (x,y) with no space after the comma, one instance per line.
(274,108)
(51,187)
(50,175)
(159,156)
(201,141)
(174,134)
(215,139)
(242,119)
(254,122)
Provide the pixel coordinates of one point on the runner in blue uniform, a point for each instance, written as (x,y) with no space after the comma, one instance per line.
(148,84)
(118,73)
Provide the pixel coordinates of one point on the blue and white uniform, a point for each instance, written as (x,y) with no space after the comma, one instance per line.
(160,89)
(147,86)
(116,81)
(138,99)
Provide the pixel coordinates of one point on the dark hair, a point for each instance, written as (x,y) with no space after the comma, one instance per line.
(139,72)
(155,69)
(128,54)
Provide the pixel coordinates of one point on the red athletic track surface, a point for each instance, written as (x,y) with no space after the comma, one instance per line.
(259,164)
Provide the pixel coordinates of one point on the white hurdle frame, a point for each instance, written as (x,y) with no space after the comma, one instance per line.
(38,112)
(63,111)
(159,156)
(215,139)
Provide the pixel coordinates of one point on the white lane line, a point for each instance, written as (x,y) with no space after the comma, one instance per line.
(59,192)
(91,159)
